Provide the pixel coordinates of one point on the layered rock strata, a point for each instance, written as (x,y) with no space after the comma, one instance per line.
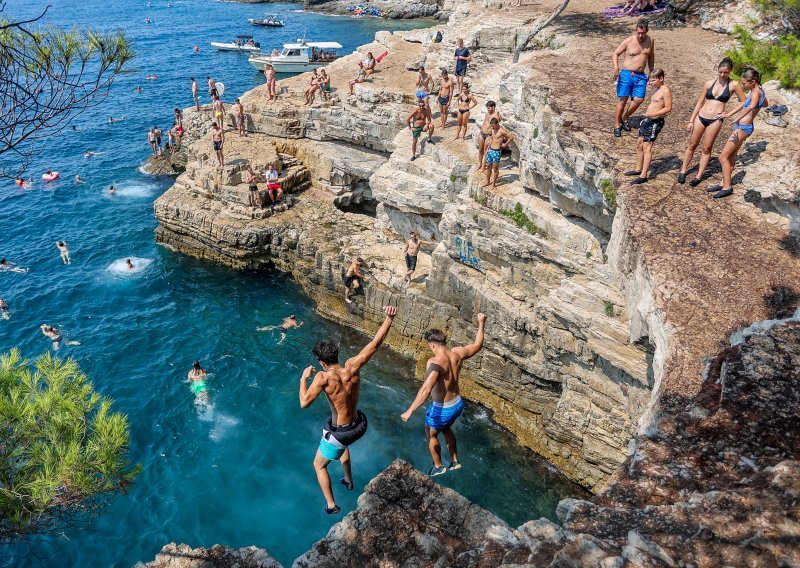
(597,293)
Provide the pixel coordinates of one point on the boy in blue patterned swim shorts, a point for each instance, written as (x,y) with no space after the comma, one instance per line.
(441,383)
(498,140)
(639,50)
(342,387)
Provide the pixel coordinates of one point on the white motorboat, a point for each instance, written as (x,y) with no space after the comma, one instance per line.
(298,57)
(269,21)
(243,43)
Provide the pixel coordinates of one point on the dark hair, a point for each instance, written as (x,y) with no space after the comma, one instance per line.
(444,71)
(494,121)
(643,23)
(191,78)
(291,317)
(326,351)
(658,73)
(359,259)
(237,100)
(208,77)
(197,365)
(726,62)
(213,125)
(751,74)
(435,336)
(491,103)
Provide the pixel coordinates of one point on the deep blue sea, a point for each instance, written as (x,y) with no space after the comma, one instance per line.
(239,473)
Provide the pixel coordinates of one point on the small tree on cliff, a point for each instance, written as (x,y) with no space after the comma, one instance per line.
(537,28)
(48,76)
(62,450)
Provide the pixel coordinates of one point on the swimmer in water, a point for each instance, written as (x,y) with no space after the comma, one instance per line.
(138,89)
(129,264)
(54,334)
(22,184)
(197,383)
(4,309)
(112,190)
(288,323)
(112,120)
(79,179)
(5,266)
(89,154)
(62,248)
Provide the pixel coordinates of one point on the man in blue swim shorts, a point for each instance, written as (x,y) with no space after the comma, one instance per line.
(498,140)
(441,383)
(342,386)
(640,51)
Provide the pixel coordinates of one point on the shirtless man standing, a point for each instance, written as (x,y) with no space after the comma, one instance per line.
(219,112)
(252,185)
(424,85)
(269,74)
(660,106)
(486,131)
(499,139)
(419,121)
(240,118)
(218,137)
(445,96)
(195,96)
(353,278)
(342,387)
(212,87)
(640,51)
(441,383)
(411,250)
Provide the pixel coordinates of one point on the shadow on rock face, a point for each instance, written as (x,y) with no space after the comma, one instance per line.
(781,302)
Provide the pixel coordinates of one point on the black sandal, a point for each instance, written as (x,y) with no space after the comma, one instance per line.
(333,511)
(349,486)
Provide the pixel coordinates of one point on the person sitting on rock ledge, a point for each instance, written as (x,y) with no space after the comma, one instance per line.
(362,75)
(274,190)
(419,121)
(313,87)
(342,387)
(441,384)
(353,279)
(369,64)
(660,106)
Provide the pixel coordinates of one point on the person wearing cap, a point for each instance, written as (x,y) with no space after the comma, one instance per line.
(499,139)
(353,278)
(486,132)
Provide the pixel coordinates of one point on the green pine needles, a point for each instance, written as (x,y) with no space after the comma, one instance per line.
(778,59)
(63,452)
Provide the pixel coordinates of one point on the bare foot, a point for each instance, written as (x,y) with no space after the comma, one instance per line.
(348,300)
(487,184)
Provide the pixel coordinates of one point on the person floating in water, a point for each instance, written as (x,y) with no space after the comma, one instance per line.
(342,386)
(288,323)
(22,184)
(441,383)
(128,262)
(112,120)
(197,383)
(6,266)
(4,309)
(54,334)
(79,179)
(62,248)
(89,154)
(112,190)
(353,279)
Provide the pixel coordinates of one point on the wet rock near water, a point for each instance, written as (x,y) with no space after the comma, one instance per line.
(167,164)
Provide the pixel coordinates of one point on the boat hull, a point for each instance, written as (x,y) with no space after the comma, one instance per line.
(234,47)
(286,66)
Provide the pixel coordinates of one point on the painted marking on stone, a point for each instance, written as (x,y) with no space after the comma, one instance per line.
(466,252)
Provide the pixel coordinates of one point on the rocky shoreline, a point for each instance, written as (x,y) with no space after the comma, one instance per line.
(604,304)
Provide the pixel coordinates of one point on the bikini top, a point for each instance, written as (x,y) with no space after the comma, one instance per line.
(761,100)
(461,99)
(723,97)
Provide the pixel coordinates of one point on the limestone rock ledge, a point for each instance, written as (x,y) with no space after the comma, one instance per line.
(715,483)
(184,556)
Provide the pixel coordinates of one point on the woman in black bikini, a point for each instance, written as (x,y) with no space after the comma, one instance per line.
(466,101)
(707,118)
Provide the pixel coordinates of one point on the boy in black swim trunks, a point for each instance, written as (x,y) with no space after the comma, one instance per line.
(353,278)
(660,106)
(252,185)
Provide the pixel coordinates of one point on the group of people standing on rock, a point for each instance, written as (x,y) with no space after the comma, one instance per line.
(493,137)
(341,384)
(708,116)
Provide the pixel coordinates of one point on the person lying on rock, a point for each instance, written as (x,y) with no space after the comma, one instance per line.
(441,384)
(342,387)
(353,279)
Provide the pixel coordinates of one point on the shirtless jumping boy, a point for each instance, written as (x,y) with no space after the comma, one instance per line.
(342,387)
(441,383)
(640,51)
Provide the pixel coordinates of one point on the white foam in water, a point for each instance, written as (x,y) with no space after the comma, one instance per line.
(120,268)
(135,190)
(223,424)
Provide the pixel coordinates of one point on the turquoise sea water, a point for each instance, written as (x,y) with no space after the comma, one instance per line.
(239,473)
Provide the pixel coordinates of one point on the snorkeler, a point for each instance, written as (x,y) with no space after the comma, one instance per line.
(4,309)
(128,262)
(288,323)
(197,383)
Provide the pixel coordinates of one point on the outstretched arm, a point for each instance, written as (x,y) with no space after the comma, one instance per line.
(431,376)
(366,354)
(308,394)
(470,350)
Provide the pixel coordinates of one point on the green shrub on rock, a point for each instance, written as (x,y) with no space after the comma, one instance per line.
(778,59)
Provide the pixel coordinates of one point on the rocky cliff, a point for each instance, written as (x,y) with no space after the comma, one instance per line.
(715,482)
(600,297)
